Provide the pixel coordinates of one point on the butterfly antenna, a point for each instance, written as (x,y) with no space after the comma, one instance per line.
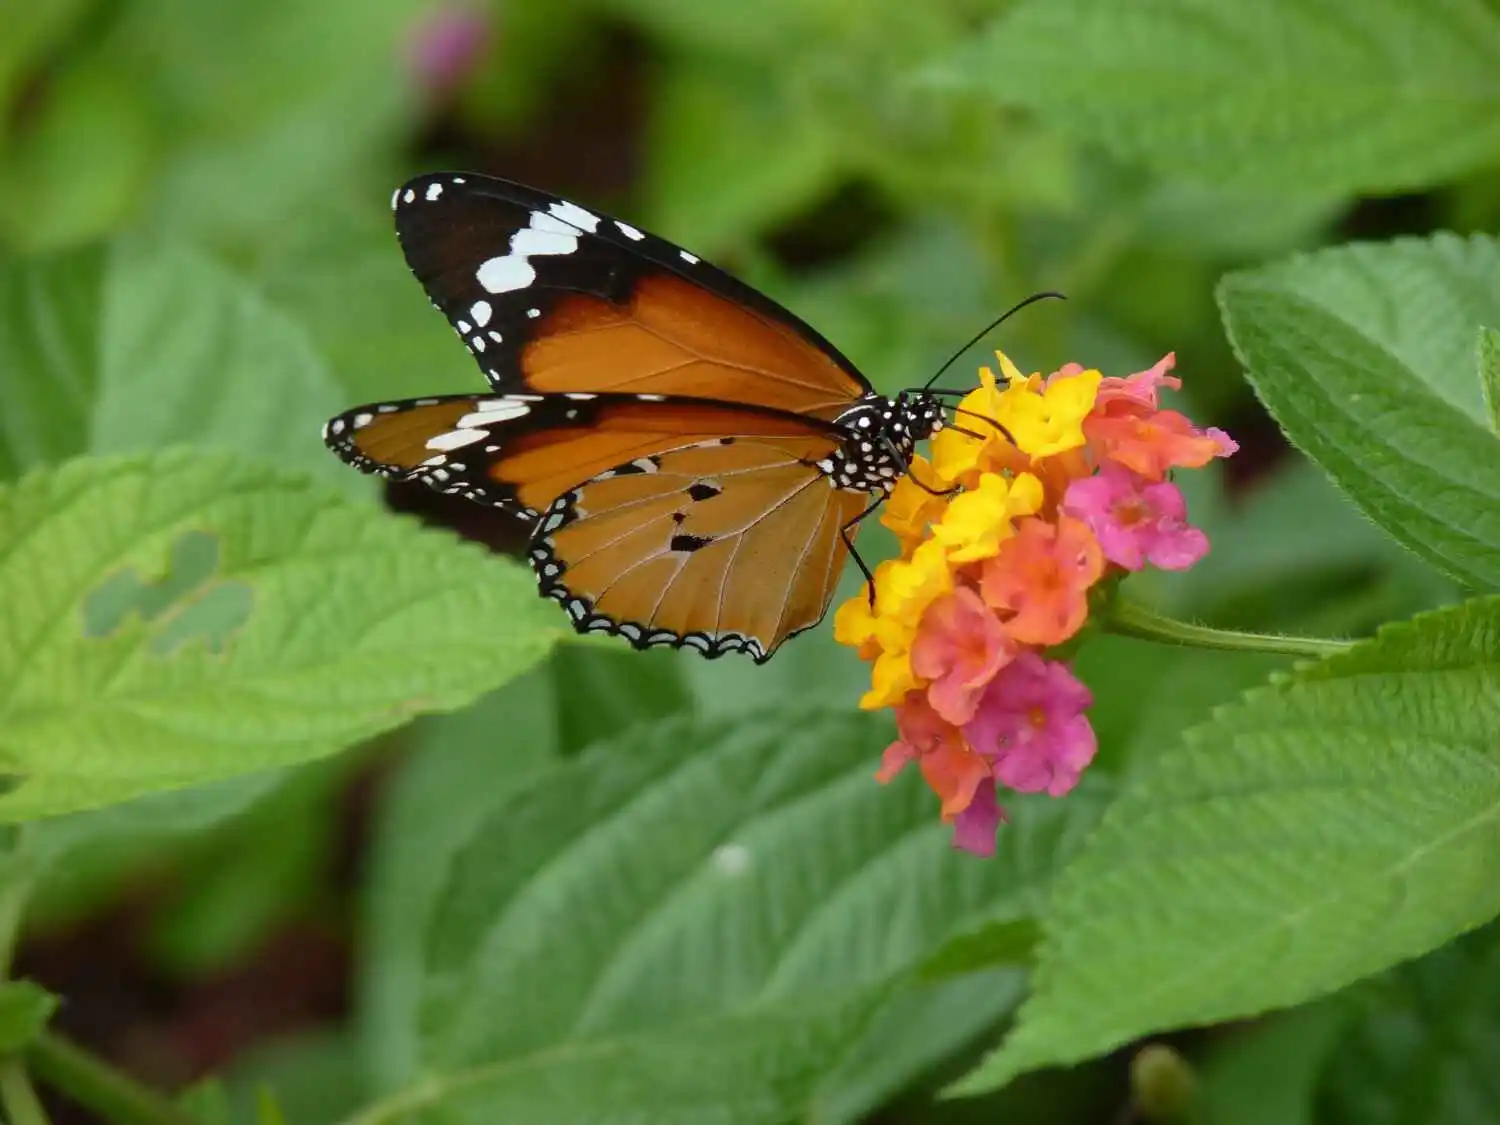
(988,328)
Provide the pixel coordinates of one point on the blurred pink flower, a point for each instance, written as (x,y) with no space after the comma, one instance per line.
(447,46)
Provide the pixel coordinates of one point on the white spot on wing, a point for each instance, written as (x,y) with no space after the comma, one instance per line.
(691,259)
(363,420)
(629,231)
(505,274)
(463,326)
(409,196)
(455,439)
(576,215)
(481,311)
(503,411)
(546,234)
(433,191)
(581,396)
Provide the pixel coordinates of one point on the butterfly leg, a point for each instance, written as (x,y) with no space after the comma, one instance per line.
(849,542)
(890,447)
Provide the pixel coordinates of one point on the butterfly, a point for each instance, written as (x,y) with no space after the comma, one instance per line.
(691,458)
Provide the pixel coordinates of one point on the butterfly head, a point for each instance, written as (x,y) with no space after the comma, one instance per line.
(916,416)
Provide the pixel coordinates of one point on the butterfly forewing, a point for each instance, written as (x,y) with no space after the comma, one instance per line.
(551,297)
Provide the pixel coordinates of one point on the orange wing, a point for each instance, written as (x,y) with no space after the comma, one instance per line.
(551,297)
(721,548)
(662,520)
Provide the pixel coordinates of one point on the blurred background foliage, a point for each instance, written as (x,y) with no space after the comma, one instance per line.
(880,166)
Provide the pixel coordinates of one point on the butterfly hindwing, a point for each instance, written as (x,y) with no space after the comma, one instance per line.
(666,521)
(713,546)
(552,297)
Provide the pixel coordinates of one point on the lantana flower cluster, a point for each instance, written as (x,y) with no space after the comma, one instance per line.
(1039,496)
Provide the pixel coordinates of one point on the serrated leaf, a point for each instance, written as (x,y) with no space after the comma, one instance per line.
(1423,1048)
(1327,826)
(145,344)
(1489,375)
(462,765)
(726,884)
(1384,401)
(25,1009)
(297,624)
(1259,94)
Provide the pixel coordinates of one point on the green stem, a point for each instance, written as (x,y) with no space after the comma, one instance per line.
(1131,620)
(96,1085)
(22,1106)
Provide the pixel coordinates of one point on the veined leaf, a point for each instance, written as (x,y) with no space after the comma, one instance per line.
(1343,819)
(714,906)
(1261,94)
(180,617)
(1365,357)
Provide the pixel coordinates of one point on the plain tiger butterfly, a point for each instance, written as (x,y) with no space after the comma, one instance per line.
(691,458)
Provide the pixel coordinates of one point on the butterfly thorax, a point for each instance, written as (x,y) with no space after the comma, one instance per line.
(882,434)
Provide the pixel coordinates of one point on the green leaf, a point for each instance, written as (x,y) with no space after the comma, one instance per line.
(31,32)
(462,765)
(1008,944)
(1270,1071)
(270,105)
(152,343)
(601,692)
(339,273)
(80,165)
(308,1076)
(722,888)
(1259,94)
(1489,375)
(1423,1049)
(741,130)
(234,888)
(186,616)
(1326,827)
(84,858)
(1364,356)
(922,1026)
(25,1009)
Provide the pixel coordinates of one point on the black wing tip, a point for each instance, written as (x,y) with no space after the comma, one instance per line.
(430,187)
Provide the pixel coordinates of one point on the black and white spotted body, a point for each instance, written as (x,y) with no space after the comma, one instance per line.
(882,435)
